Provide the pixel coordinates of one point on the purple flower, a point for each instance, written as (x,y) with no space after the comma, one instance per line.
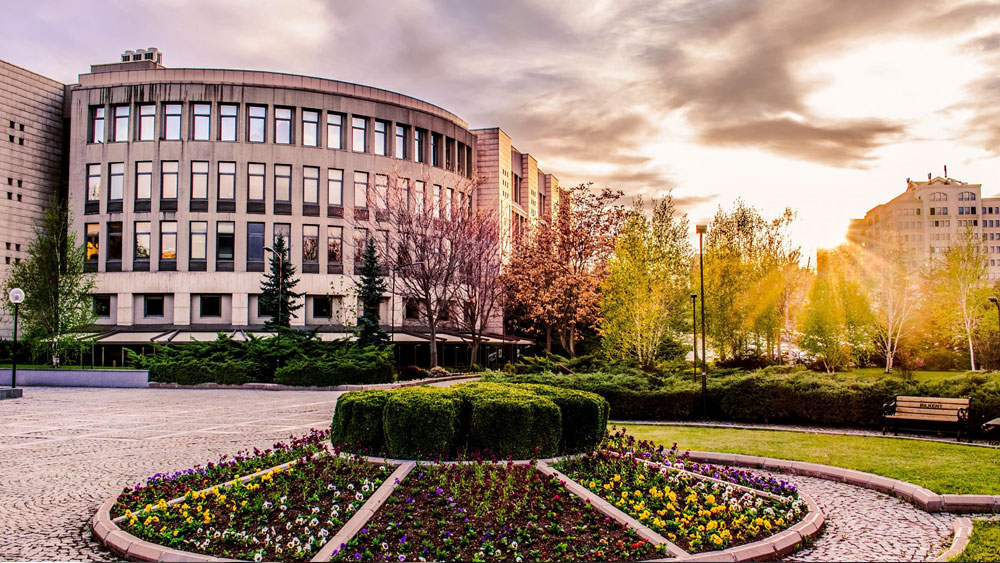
(357,556)
(402,540)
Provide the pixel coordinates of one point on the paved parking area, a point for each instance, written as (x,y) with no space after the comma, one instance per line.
(63,451)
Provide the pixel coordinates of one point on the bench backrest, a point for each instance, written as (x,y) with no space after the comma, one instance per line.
(930,408)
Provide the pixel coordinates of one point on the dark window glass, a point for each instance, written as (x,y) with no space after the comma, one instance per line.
(114,241)
(255,242)
(321,307)
(153,306)
(102,306)
(210,305)
(418,145)
(225,240)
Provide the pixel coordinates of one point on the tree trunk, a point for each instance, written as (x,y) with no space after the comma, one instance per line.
(475,352)
(548,339)
(432,327)
(572,343)
(972,353)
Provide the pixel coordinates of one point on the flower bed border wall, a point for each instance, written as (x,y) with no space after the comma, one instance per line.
(282,387)
(963,530)
(130,547)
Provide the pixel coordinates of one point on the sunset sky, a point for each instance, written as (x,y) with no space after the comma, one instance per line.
(826,107)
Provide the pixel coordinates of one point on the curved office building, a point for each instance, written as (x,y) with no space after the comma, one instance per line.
(179,180)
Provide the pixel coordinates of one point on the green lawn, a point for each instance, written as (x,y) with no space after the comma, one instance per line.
(984,545)
(942,468)
(875,373)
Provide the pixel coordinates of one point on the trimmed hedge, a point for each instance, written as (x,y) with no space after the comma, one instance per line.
(504,420)
(359,368)
(193,372)
(359,420)
(770,396)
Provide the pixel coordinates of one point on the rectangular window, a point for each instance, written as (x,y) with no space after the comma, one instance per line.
(381,140)
(359,127)
(360,239)
(321,307)
(335,186)
(436,202)
(381,192)
(310,244)
(102,306)
(210,305)
(310,185)
(116,183)
(225,241)
(143,180)
(310,128)
(115,241)
(199,240)
(335,245)
(255,181)
(435,149)
(284,230)
(449,196)
(202,122)
(172,121)
(449,148)
(168,179)
(152,306)
(92,238)
(255,242)
(93,182)
(418,145)
(168,240)
(121,123)
(147,122)
(227,180)
(334,131)
(256,124)
(97,124)
(400,141)
(283,126)
(142,240)
(361,189)
(227,121)
(282,183)
(199,179)
(419,199)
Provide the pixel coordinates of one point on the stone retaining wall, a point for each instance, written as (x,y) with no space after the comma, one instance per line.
(120,378)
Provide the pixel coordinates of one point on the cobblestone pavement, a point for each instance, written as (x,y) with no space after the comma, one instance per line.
(65,451)
(865,525)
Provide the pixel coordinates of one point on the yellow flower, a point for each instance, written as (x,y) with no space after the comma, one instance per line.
(618,478)
(592,484)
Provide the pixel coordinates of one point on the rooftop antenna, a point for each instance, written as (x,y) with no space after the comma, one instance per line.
(945,170)
(928,175)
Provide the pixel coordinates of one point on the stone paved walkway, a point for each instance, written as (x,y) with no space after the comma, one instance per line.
(65,451)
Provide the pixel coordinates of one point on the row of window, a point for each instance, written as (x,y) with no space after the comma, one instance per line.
(358,133)
(442,199)
(167,234)
(962,196)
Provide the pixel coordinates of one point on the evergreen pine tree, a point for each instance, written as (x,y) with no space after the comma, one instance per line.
(371,286)
(277,289)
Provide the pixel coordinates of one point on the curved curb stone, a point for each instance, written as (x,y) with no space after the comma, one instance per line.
(927,500)
(281,387)
(963,530)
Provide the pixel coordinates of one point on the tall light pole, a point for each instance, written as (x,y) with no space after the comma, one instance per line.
(16,296)
(694,333)
(701,230)
(392,298)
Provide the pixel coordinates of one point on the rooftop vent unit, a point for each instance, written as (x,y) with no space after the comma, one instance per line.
(127,56)
(151,54)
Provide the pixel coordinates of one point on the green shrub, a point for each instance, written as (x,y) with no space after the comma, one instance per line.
(584,416)
(507,421)
(421,422)
(193,372)
(409,373)
(363,366)
(357,420)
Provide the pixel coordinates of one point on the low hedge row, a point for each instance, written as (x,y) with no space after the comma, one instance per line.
(422,422)
(361,369)
(194,372)
(767,396)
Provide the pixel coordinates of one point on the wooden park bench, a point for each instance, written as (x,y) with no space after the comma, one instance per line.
(926,411)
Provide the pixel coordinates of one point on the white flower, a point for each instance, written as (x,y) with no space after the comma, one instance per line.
(496,553)
(315,509)
(350,486)
(283,499)
(513,544)
(331,487)
(385,546)
(364,488)
(314,522)
(254,539)
(323,533)
(267,504)
(258,557)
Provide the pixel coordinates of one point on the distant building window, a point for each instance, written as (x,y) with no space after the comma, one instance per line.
(93,182)
(419,199)
(152,306)
(202,122)
(199,240)
(361,189)
(199,179)
(400,141)
(435,149)
(168,179)
(256,128)
(225,241)
(282,183)
(143,180)
(116,183)
(227,121)
(92,238)
(142,240)
(255,181)
(121,123)
(172,121)
(102,306)
(939,196)
(255,242)
(360,239)
(335,245)
(115,241)
(449,149)
(418,145)
(412,309)
(210,306)
(335,186)
(334,131)
(381,192)
(310,128)
(97,116)
(284,230)
(381,138)
(436,202)
(147,122)
(227,180)
(967,196)
(310,185)
(321,307)
(449,196)
(310,244)
(168,240)
(359,126)
(282,126)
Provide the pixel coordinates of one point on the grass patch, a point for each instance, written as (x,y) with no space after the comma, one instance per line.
(942,468)
(984,544)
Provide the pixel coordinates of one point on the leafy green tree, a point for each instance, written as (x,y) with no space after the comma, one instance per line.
(960,290)
(824,326)
(277,289)
(644,297)
(57,291)
(371,286)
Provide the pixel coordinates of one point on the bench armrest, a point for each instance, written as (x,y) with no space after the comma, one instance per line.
(963,416)
(889,408)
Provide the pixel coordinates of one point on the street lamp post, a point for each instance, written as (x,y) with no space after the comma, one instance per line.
(16,296)
(701,230)
(392,299)
(694,333)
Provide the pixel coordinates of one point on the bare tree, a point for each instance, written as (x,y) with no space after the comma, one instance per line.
(959,279)
(893,291)
(479,276)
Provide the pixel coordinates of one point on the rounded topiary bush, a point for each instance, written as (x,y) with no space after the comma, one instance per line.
(358,420)
(421,422)
(508,420)
(584,416)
